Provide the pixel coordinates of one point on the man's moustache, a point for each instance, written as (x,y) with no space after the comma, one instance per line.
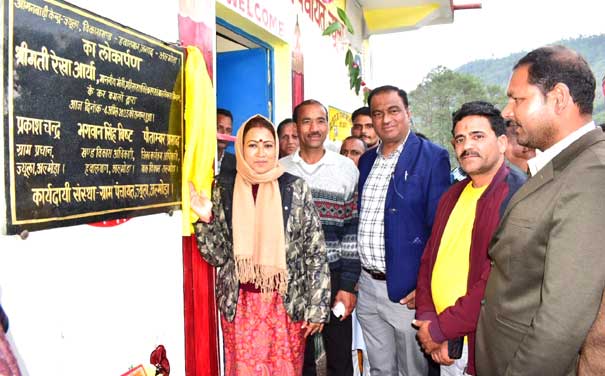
(469,154)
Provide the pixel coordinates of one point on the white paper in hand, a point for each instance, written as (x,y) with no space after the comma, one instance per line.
(338,310)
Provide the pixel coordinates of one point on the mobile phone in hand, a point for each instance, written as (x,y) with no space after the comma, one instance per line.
(454,347)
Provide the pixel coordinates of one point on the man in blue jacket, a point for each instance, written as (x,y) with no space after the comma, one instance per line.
(400,184)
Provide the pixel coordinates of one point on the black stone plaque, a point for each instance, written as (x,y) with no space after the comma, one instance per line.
(92,118)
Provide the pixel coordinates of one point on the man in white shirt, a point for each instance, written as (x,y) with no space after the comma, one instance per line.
(548,264)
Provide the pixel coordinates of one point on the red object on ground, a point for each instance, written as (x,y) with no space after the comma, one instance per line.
(160,361)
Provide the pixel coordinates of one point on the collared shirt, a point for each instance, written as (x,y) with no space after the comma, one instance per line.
(540,160)
(370,236)
(218,163)
(332,172)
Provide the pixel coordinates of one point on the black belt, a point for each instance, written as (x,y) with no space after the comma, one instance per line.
(379,276)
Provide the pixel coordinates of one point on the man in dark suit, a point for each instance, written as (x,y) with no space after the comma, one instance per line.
(400,184)
(592,354)
(548,263)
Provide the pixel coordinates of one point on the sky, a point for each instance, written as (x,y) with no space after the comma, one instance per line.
(500,28)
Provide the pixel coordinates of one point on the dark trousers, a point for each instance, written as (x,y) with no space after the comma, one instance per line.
(338,338)
(434,368)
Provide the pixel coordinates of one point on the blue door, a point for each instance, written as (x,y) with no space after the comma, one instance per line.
(243,84)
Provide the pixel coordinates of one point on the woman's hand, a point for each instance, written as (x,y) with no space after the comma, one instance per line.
(200,204)
(312,328)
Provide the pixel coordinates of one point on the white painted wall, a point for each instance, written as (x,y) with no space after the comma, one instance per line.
(326,76)
(94,301)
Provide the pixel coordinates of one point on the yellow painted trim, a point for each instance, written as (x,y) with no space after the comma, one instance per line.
(282,99)
(282,64)
(396,18)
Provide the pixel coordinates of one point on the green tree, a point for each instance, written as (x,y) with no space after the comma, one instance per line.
(498,71)
(442,92)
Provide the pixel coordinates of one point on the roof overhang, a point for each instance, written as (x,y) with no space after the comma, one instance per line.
(390,16)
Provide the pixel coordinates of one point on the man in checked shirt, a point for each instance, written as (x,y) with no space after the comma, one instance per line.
(400,184)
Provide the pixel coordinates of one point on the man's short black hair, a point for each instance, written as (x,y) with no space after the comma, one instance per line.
(224,112)
(547,66)
(307,103)
(281,125)
(386,88)
(361,111)
(481,108)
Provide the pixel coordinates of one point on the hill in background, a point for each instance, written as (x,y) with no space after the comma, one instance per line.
(498,71)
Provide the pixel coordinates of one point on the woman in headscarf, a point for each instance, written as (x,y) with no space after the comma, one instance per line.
(263,231)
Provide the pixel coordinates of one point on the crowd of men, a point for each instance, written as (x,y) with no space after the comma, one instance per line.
(501,272)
